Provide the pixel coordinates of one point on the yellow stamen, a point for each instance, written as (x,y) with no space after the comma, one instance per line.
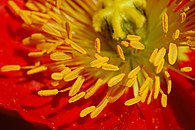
(58,3)
(137,45)
(134,72)
(176,34)
(99,62)
(153,55)
(120,52)
(87,110)
(76,86)
(125,43)
(77,48)
(99,108)
(150,97)
(156,86)
(110,67)
(55,17)
(165,22)
(68,30)
(49,29)
(164,100)
(93,89)
(144,94)
(116,79)
(31,6)
(36,54)
(37,70)
(25,16)
(73,75)
(14,6)
(76,97)
(133,101)
(183,17)
(172,55)
(66,71)
(57,76)
(131,81)
(160,66)
(48,92)
(133,37)
(186,69)
(97,45)
(160,55)
(59,56)
(168,81)
(8,68)
(145,85)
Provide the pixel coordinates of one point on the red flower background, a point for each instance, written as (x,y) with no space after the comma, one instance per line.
(18,93)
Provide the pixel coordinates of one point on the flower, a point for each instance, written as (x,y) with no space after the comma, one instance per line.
(99,53)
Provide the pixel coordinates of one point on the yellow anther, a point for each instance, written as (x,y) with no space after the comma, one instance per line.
(159,56)
(160,66)
(25,16)
(8,68)
(133,101)
(97,56)
(68,30)
(93,89)
(55,17)
(172,55)
(31,6)
(77,48)
(110,67)
(133,37)
(186,8)
(156,86)
(49,29)
(76,86)
(164,100)
(131,81)
(14,6)
(137,45)
(87,110)
(120,52)
(59,56)
(186,69)
(176,34)
(150,97)
(165,22)
(134,72)
(76,97)
(99,108)
(153,55)
(57,76)
(144,94)
(48,92)
(58,3)
(125,43)
(99,62)
(37,70)
(73,75)
(145,85)
(36,54)
(169,86)
(116,79)
(97,45)
(37,36)
(26,41)
(183,17)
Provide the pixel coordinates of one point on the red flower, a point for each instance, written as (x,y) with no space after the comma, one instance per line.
(19,91)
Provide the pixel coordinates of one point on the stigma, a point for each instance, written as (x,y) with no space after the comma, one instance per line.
(111,44)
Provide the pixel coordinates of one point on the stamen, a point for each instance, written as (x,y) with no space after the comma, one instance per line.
(25,17)
(160,66)
(59,56)
(99,108)
(172,55)
(68,30)
(37,70)
(176,34)
(76,86)
(153,55)
(125,43)
(160,55)
(145,85)
(66,71)
(87,110)
(168,81)
(137,45)
(36,54)
(186,69)
(76,97)
(133,101)
(144,94)
(131,81)
(77,48)
(97,45)
(14,6)
(99,62)
(8,68)
(58,4)
(48,92)
(133,37)
(110,67)
(49,29)
(183,17)
(165,22)
(164,100)
(57,76)
(120,52)
(134,72)
(156,86)
(73,75)
(116,79)
(31,6)
(150,97)
(93,89)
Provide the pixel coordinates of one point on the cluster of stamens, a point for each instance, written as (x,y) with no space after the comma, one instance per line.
(71,61)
